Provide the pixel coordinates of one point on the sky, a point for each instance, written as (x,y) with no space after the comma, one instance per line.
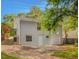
(17,6)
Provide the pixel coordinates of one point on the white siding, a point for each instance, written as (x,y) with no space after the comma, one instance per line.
(17,27)
(28,28)
(56,38)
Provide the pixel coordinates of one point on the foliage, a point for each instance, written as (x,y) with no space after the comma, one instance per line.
(7,42)
(8,19)
(70,53)
(21,14)
(12,32)
(7,25)
(5,30)
(56,10)
(70,23)
(66,7)
(47,23)
(63,13)
(35,12)
(54,16)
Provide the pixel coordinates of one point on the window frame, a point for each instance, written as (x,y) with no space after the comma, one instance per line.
(28,38)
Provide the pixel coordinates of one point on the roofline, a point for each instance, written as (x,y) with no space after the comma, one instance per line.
(24,18)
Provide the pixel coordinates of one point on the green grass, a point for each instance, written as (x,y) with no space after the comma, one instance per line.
(69,53)
(5,56)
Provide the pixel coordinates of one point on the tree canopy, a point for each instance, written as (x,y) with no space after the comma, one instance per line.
(35,12)
(8,19)
(55,12)
(7,26)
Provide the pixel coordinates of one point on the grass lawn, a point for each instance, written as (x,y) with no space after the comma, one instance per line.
(5,56)
(70,53)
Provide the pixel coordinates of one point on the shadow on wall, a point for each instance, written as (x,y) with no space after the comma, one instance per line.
(70,40)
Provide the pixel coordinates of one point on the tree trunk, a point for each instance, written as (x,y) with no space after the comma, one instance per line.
(66,36)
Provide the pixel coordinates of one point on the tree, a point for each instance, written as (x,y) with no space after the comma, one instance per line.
(35,12)
(64,7)
(8,21)
(69,24)
(5,30)
(56,11)
(21,14)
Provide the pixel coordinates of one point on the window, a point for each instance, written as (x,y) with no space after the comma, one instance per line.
(28,38)
(47,36)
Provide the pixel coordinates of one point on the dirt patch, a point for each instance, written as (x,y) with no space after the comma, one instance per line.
(34,53)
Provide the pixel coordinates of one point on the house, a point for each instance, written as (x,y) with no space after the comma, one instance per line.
(29,35)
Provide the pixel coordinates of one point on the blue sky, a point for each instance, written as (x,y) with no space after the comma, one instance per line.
(16,6)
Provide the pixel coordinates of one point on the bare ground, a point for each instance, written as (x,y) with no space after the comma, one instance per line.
(33,53)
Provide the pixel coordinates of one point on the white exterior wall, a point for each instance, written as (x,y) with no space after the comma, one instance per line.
(56,38)
(42,39)
(26,27)
(17,27)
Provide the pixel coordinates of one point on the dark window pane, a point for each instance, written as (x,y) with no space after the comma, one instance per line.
(15,39)
(28,38)
(47,36)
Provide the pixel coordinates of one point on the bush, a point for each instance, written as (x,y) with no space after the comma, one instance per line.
(7,42)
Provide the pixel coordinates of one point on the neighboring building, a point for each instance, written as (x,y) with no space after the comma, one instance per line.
(29,35)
